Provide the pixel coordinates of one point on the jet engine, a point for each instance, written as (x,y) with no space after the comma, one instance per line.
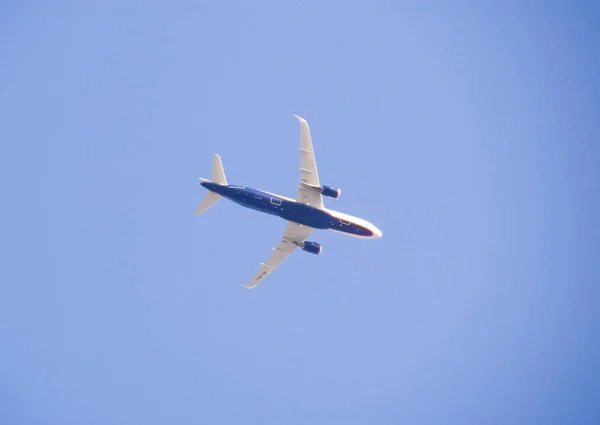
(330,192)
(312,247)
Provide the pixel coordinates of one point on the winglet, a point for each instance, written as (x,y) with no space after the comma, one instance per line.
(299,117)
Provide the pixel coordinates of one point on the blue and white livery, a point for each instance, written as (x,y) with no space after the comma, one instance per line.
(304,214)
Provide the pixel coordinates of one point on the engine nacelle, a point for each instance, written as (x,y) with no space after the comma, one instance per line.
(312,247)
(330,192)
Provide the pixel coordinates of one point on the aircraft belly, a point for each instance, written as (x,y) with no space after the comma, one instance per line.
(278,206)
(261,204)
(305,215)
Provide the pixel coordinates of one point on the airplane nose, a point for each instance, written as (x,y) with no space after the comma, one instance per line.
(377,233)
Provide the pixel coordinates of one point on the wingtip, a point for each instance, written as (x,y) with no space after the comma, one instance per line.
(299,117)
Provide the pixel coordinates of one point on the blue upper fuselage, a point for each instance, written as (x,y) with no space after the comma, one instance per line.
(287,209)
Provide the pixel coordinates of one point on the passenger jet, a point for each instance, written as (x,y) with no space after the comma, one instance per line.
(304,214)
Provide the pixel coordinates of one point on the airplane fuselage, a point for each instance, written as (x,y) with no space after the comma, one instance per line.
(297,212)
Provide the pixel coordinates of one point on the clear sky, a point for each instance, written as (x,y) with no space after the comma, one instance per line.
(468,134)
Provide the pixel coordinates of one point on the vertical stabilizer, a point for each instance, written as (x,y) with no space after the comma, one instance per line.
(218,173)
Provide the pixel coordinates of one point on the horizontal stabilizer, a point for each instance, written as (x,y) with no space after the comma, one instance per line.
(207,202)
(218,173)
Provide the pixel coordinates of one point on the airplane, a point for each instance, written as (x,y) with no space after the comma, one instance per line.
(304,214)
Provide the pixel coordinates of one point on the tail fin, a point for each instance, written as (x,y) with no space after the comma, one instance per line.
(207,202)
(218,173)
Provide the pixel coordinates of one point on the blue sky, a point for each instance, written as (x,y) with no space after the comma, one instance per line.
(467,133)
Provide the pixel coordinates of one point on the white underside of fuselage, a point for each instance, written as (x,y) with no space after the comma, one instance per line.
(355,220)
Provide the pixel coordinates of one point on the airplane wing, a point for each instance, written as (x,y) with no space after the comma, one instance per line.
(294,233)
(308,168)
